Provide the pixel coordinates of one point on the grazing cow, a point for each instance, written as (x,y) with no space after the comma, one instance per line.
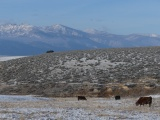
(81,98)
(117,97)
(144,100)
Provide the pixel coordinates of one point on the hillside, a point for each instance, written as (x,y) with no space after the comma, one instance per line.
(98,72)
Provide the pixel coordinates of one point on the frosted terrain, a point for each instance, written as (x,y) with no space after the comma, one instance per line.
(41,108)
(5,58)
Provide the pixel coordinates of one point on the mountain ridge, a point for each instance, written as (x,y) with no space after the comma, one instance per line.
(26,39)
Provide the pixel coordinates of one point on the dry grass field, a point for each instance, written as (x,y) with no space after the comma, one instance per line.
(39,108)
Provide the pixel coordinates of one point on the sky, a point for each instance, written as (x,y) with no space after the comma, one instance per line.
(113,16)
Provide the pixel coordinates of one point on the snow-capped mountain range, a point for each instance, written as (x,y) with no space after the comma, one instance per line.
(26,39)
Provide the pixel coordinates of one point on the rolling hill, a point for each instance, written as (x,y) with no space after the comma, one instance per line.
(98,72)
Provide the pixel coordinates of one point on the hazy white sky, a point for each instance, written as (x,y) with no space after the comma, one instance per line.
(114,16)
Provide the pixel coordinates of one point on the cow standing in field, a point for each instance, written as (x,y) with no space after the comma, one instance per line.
(117,97)
(81,98)
(144,100)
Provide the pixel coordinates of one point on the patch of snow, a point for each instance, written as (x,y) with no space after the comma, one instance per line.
(87,64)
(155,96)
(105,64)
(91,31)
(153,35)
(70,64)
(5,58)
(15,98)
(83,59)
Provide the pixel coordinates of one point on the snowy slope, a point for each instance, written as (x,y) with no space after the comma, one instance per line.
(5,58)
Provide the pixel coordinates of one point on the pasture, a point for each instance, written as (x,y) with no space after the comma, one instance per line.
(41,108)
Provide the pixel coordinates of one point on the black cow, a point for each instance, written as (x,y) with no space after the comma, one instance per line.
(117,97)
(81,98)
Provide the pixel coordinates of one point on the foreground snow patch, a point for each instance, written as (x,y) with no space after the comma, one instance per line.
(5,58)
(15,107)
(16,98)
(155,96)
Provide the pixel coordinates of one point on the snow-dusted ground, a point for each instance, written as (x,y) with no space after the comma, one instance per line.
(5,58)
(40,108)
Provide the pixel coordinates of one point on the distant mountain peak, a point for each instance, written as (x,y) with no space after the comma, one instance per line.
(25,39)
(15,26)
(94,31)
(15,30)
(64,30)
(154,35)
(59,26)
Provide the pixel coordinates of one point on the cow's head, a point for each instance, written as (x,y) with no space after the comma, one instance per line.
(137,103)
